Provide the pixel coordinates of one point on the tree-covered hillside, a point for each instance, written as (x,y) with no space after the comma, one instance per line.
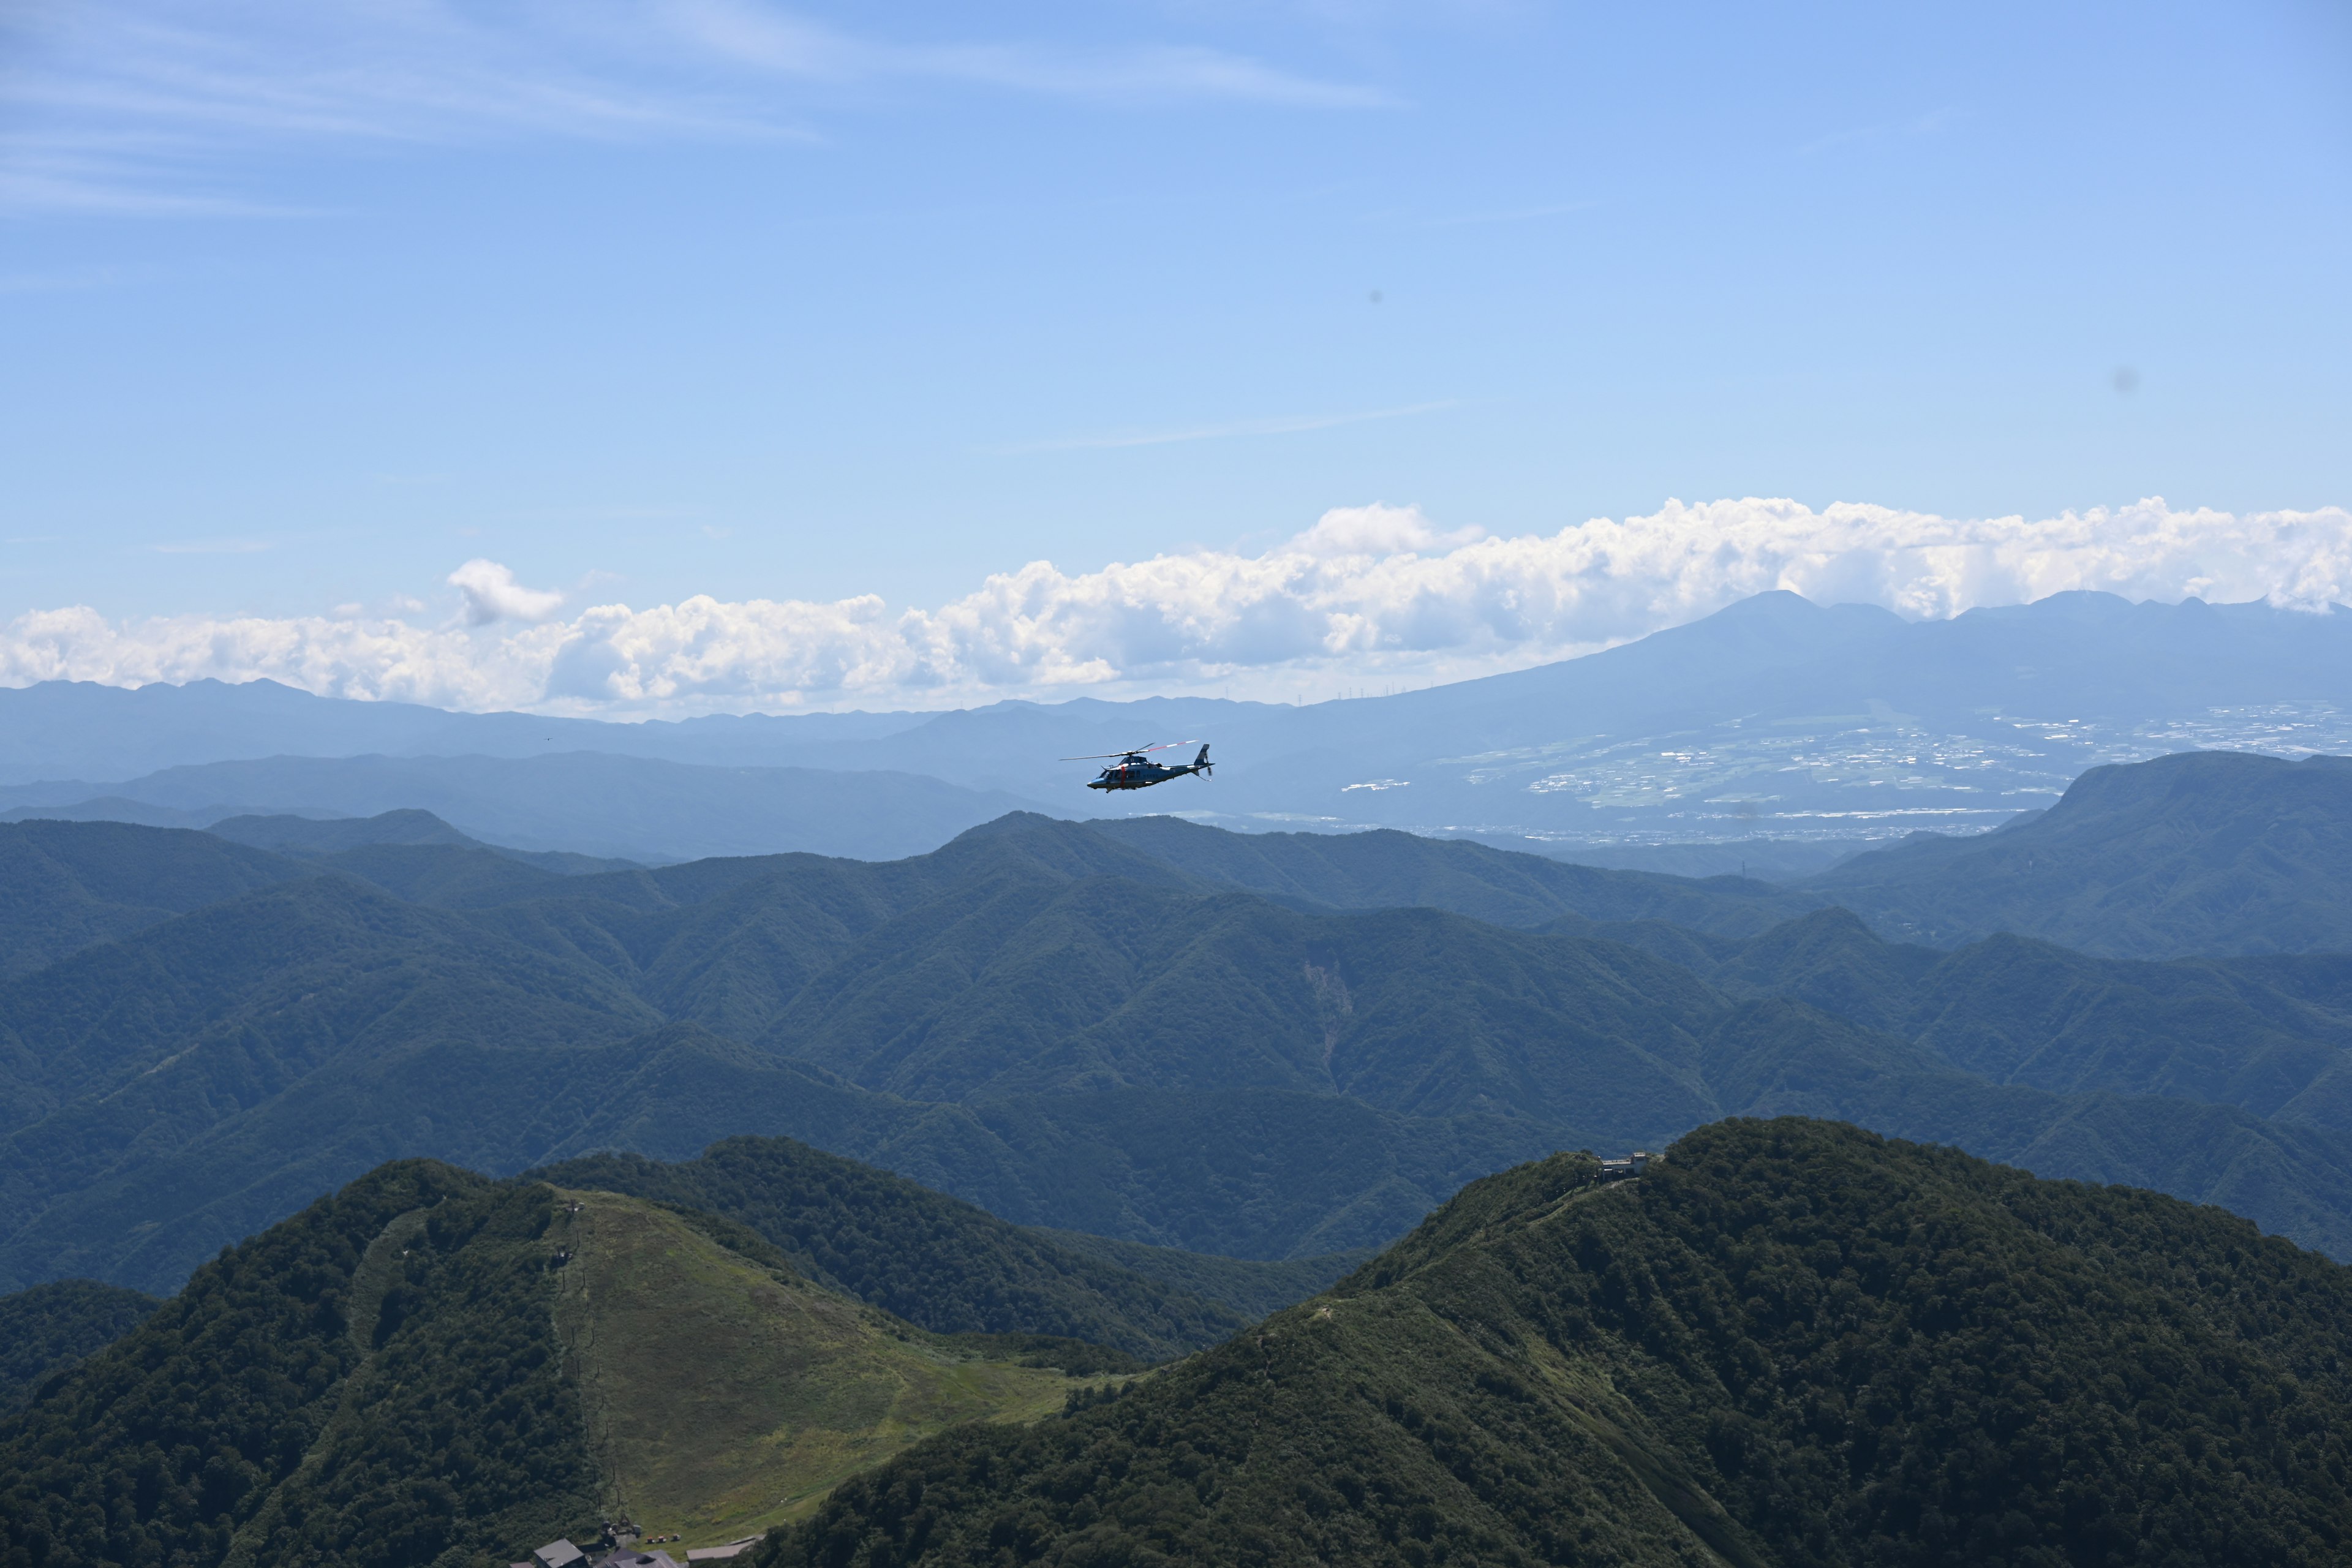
(64,885)
(2202,852)
(430,1368)
(1789,1343)
(51,1327)
(1387,869)
(1073,1034)
(2270,1035)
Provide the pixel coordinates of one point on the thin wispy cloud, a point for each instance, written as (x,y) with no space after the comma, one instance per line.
(210,547)
(1926,124)
(168,107)
(1513,214)
(1283,426)
(69,282)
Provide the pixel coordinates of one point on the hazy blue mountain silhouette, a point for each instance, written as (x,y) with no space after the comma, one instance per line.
(1774,719)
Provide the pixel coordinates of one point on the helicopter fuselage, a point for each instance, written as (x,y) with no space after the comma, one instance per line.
(1136,770)
(1141,775)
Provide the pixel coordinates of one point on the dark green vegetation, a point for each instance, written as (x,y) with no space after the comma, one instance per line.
(51,1327)
(1251,1288)
(1791,1343)
(2269,1035)
(945,1265)
(1386,869)
(374,1381)
(2204,852)
(1145,1031)
(432,1368)
(64,885)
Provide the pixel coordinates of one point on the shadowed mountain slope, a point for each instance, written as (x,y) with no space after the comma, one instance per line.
(1789,1343)
(1387,869)
(52,1327)
(429,1368)
(64,885)
(1076,1035)
(2203,852)
(2269,1035)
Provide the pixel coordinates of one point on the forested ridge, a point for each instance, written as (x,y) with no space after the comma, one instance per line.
(399,1375)
(1273,1063)
(1791,1342)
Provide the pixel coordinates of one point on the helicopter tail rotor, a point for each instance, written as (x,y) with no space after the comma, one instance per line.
(1201,763)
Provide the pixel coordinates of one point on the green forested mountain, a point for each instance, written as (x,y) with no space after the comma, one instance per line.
(1789,1343)
(2270,1035)
(431,1368)
(64,885)
(1073,1034)
(174,1444)
(1387,869)
(2202,852)
(1251,1288)
(51,1327)
(408,828)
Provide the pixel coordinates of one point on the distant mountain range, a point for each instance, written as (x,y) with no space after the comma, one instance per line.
(1780,730)
(592,803)
(1266,1047)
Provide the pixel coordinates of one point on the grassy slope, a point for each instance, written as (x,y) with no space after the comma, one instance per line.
(1793,1343)
(412,1372)
(723,1395)
(932,1260)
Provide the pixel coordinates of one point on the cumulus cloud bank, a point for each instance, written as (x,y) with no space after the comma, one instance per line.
(1368,595)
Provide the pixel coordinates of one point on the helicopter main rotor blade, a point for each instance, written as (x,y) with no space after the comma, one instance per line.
(1130,752)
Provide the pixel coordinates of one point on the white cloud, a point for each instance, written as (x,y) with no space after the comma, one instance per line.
(1368,595)
(492,594)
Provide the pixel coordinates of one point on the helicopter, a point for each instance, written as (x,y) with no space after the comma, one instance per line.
(1136,770)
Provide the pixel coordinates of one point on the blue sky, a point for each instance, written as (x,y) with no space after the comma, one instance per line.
(305,306)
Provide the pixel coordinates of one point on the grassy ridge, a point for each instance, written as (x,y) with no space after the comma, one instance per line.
(722,1394)
(935,1261)
(432,1370)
